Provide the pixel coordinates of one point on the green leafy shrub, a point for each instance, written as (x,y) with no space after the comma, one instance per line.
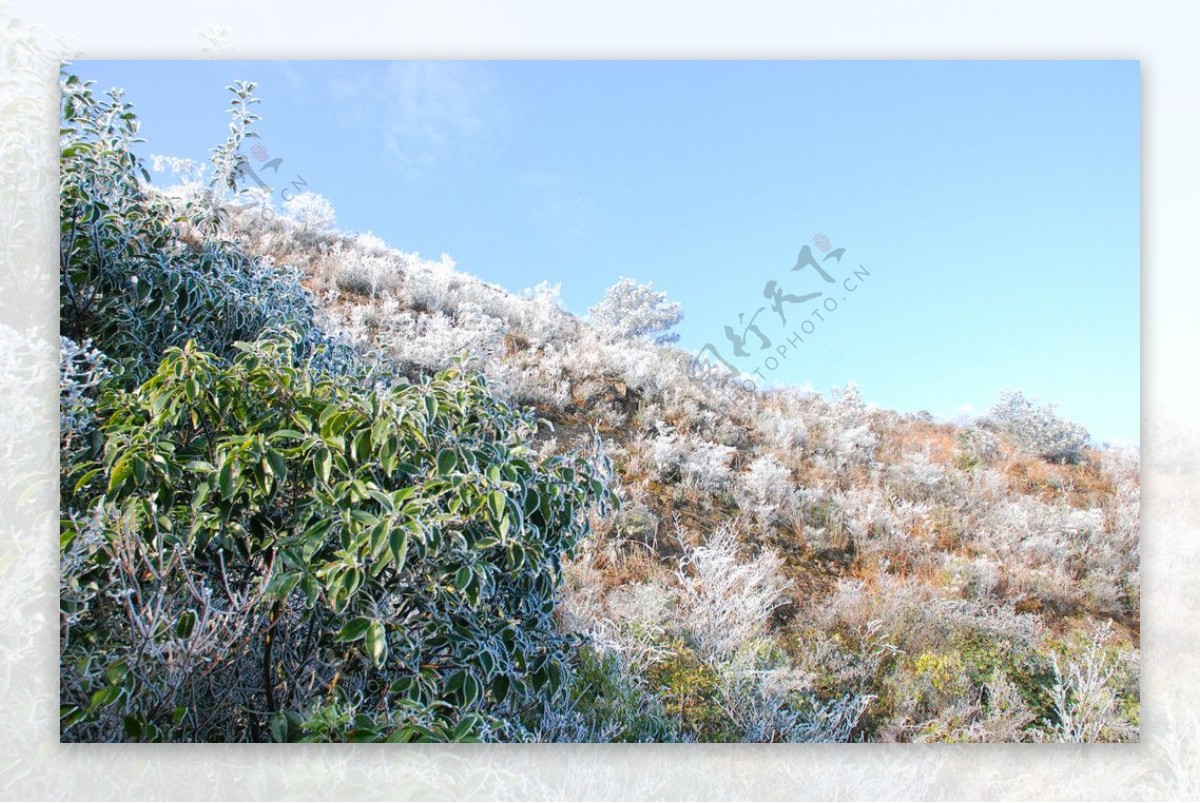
(399,546)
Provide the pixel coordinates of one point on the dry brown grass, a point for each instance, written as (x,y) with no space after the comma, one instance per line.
(1081,485)
(939,440)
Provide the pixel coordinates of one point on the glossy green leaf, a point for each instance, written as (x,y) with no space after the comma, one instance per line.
(355,629)
(398,546)
(376,643)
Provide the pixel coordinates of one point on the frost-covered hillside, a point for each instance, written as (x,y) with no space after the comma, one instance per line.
(315,488)
(786,564)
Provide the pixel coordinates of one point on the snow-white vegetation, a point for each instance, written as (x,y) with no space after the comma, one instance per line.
(1038,428)
(312,211)
(635,310)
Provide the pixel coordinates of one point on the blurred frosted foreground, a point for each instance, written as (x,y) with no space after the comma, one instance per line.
(315,488)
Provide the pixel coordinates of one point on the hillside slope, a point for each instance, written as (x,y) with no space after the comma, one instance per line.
(907,579)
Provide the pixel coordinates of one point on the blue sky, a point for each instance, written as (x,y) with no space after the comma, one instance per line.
(994,204)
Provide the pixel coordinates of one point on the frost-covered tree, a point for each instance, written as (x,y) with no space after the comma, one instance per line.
(311,210)
(1038,428)
(637,310)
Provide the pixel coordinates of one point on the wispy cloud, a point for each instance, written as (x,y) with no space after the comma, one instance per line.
(293,79)
(426,110)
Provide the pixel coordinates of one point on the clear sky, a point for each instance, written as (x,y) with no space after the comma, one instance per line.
(995,204)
